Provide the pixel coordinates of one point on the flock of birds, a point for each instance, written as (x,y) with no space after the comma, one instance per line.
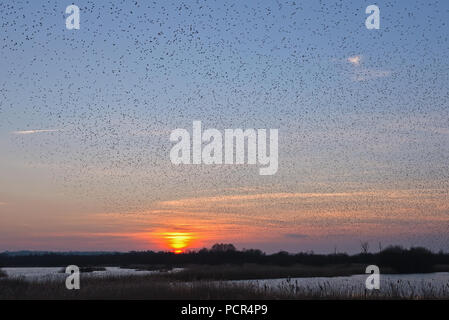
(112,91)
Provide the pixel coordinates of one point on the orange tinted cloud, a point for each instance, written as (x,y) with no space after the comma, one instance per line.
(261,196)
(355,60)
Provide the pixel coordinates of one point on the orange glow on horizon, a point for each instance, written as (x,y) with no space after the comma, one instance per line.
(177,241)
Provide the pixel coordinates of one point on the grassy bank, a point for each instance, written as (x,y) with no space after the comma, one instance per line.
(148,287)
(256,271)
(147,267)
(86,269)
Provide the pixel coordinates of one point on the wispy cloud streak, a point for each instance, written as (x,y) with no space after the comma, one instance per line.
(260,196)
(35,131)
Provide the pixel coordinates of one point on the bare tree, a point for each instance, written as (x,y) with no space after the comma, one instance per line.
(365,246)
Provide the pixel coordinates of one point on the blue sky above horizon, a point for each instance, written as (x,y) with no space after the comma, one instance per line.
(85,118)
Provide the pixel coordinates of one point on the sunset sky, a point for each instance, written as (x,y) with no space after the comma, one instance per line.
(86,116)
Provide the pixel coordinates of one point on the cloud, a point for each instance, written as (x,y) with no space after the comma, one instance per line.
(296,235)
(355,60)
(368,74)
(363,74)
(35,131)
(201,201)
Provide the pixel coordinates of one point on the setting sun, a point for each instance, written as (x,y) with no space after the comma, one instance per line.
(177,241)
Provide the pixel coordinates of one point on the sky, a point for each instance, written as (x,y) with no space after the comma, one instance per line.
(86,117)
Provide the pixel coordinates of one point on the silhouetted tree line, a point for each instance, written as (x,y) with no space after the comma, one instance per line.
(399,259)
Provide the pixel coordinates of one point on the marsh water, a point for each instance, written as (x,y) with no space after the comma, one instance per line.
(402,284)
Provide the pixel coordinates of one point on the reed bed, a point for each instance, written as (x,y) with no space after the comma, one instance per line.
(150,287)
